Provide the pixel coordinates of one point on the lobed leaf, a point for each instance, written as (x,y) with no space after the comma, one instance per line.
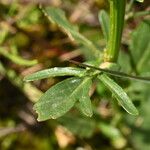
(53,72)
(59,99)
(119,94)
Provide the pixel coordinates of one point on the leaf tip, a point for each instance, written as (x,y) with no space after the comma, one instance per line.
(90,115)
(39,119)
(135,112)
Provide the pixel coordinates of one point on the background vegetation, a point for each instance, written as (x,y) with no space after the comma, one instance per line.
(29,42)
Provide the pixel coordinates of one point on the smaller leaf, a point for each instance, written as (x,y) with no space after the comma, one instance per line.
(119,94)
(84,99)
(53,72)
(85,106)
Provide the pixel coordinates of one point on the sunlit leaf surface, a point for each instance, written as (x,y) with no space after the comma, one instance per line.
(59,99)
(54,72)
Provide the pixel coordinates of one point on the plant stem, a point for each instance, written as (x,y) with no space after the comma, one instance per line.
(117,13)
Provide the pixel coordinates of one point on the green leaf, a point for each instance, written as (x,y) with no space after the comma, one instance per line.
(104,21)
(78,125)
(140,46)
(57,16)
(85,106)
(119,94)
(144,63)
(57,71)
(59,99)
(84,99)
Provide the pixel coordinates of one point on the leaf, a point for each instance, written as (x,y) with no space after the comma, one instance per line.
(53,72)
(59,99)
(119,94)
(57,16)
(84,99)
(140,46)
(85,106)
(104,21)
(144,63)
(78,125)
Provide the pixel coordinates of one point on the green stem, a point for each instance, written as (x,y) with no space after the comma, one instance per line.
(117,13)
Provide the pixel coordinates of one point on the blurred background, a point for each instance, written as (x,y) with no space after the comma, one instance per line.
(29,42)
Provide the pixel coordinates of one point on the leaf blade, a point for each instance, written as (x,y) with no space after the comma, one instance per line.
(84,99)
(53,72)
(57,100)
(119,94)
(140,44)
